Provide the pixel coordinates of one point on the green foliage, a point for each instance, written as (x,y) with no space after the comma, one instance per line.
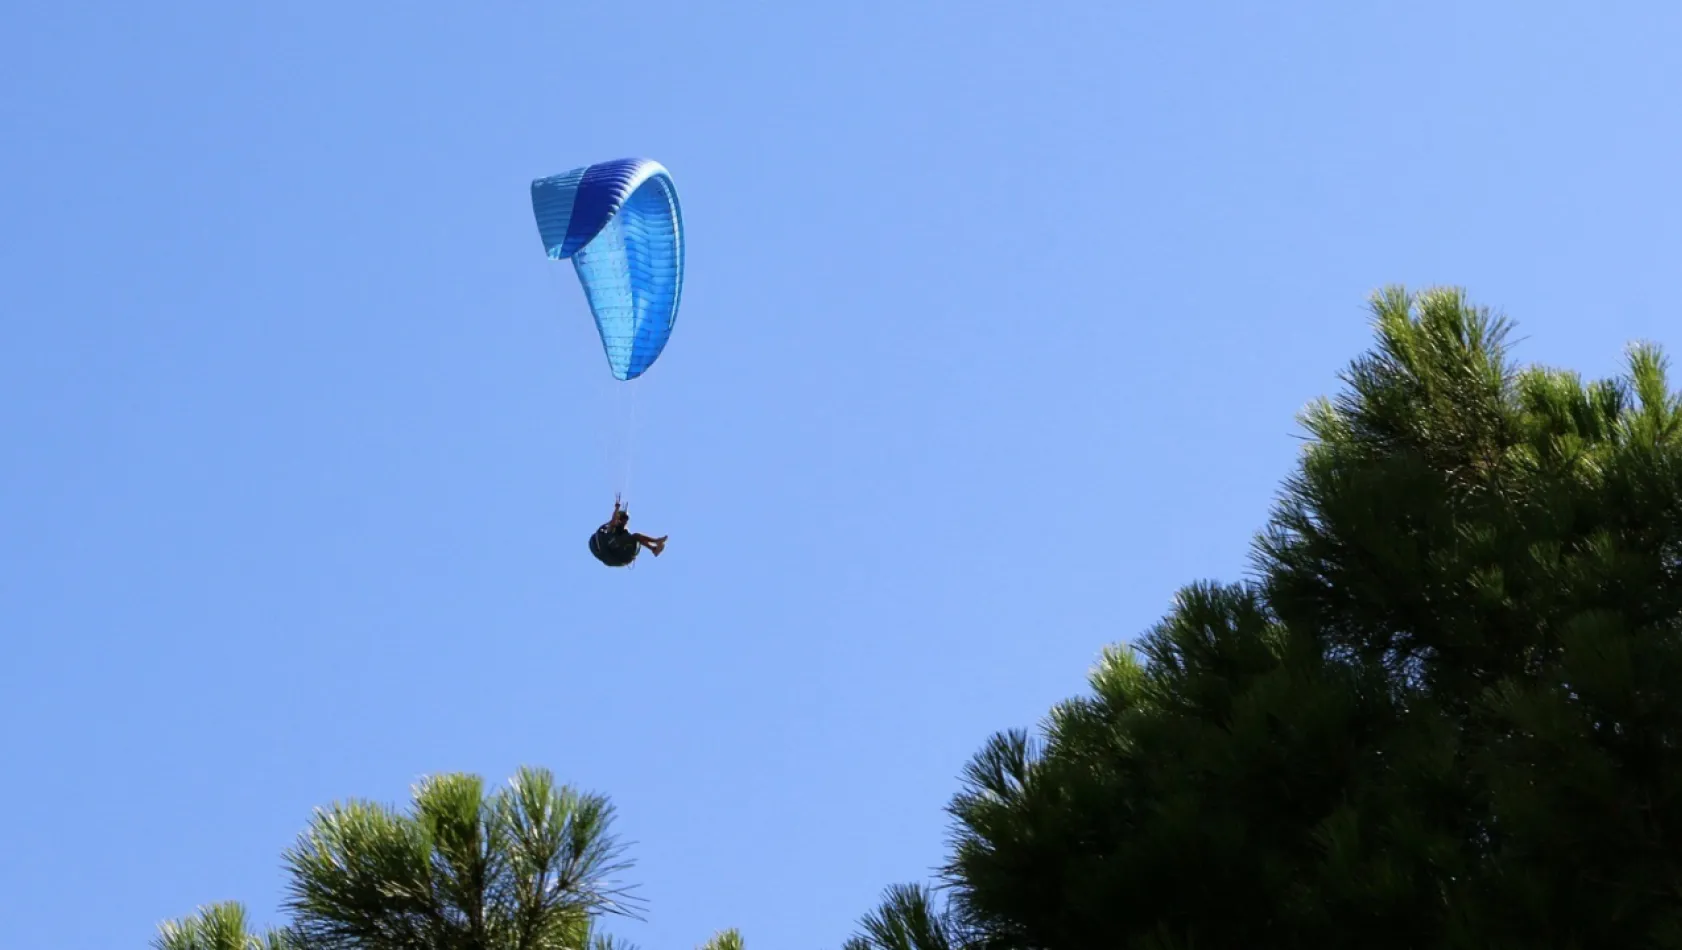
(724,940)
(528,867)
(909,920)
(219,927)
(1447,712)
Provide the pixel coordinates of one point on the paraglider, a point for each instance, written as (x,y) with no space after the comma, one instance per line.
(616,545)
(620,224)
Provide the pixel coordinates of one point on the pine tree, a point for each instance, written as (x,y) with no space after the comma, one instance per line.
(528,867)
(1447,711)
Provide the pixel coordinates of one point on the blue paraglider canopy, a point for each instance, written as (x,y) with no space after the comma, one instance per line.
(620,224)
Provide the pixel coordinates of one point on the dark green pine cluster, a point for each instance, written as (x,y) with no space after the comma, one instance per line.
(1447,712)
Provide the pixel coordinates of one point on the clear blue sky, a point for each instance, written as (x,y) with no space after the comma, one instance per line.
(996,322)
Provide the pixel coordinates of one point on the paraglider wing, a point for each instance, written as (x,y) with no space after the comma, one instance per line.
(620,224)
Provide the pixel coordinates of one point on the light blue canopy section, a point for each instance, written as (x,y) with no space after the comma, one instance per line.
(620,224)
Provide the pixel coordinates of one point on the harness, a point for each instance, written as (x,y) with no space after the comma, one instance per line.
(613,546)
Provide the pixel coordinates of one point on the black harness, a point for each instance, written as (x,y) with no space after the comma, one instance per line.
(613,546)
